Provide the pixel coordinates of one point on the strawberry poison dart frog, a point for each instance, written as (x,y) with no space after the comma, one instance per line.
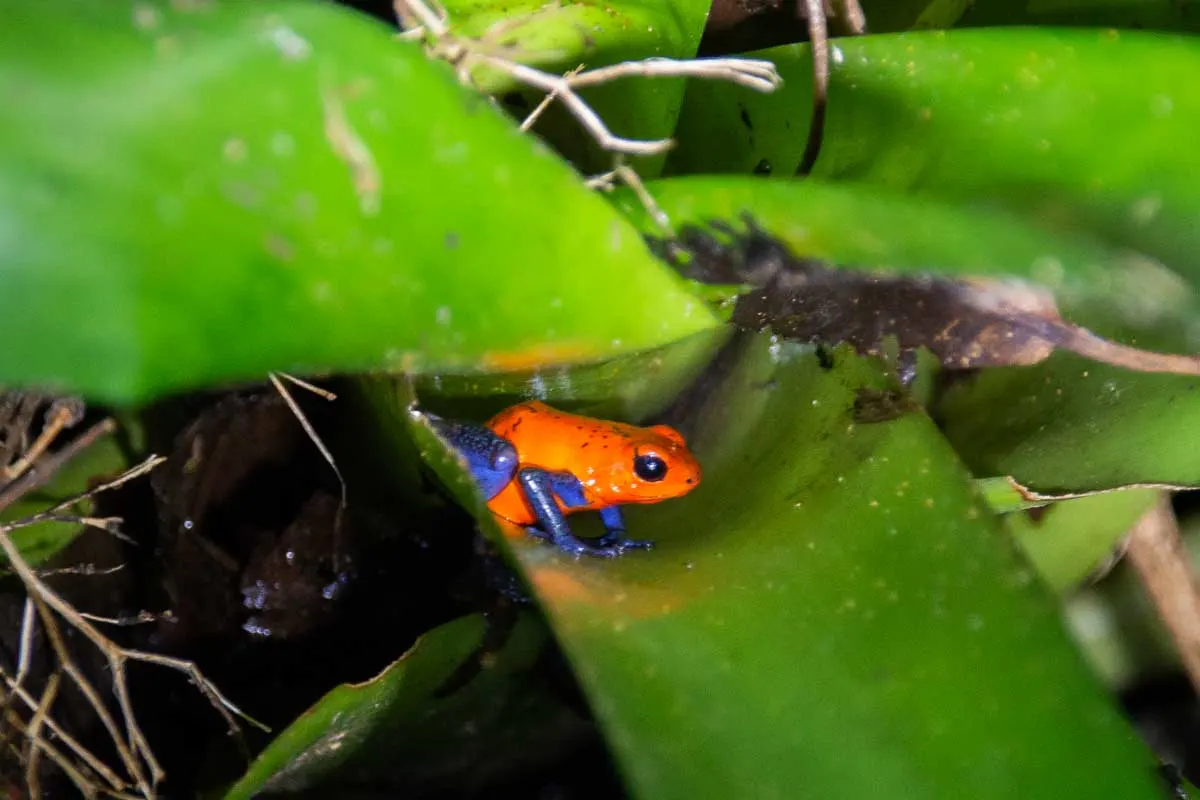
(535,464)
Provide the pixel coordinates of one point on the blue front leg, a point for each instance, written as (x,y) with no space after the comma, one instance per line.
(543,489)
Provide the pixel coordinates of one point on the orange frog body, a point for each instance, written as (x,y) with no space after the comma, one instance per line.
(536,464)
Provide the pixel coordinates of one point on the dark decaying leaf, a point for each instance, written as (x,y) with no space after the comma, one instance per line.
(967,323)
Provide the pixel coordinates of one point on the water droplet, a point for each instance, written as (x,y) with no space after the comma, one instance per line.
(292,45)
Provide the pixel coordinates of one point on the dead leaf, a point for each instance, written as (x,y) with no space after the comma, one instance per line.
(967,323)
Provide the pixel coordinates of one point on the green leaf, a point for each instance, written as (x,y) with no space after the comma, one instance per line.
(1160,15)
(284,186)
(999,118)
(633,387)
(1071,425)
(830,614)
(1068,425)
(870,227)
(394,724)
(1067,540)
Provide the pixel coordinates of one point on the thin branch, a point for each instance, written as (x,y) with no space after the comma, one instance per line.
(80,751)
(33,733)
(25,652)
(818,35)
(856,20)
(86,787)
(1158,556)
(80,569)
(588,118)
(311,432)
(415,16)
(125,751)
(63,414)
(631,179)
(41,471)
(139,618)
(534,115)
(753,73)
(131,745)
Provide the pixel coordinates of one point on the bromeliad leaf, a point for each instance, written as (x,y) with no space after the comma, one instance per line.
(284,186)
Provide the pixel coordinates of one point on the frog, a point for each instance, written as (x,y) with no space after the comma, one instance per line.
(534,465)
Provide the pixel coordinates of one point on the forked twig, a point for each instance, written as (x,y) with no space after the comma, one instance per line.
(63,414)
(630,178)
(36,475)
(1157,554)
(421,22)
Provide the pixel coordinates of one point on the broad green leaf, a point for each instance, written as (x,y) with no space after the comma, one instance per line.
(1068,425)
(197,194)
(1000,118)
(866,227)
(395,724)
(832,613)
(886,16)
(1072,425)
(633,387)
(869,227)
(1162,15)
(1067,540)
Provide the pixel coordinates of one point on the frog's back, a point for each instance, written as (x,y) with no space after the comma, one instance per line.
(551,439)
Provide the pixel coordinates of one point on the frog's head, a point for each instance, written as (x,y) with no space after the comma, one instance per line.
(656,465)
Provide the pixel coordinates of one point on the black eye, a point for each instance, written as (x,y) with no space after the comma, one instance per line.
(650,468)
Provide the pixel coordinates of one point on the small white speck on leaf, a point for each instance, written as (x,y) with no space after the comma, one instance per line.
(292,45)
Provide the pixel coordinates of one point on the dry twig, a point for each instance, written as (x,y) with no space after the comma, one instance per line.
(421,22)
(311,432)
(1157,554)
(90,774)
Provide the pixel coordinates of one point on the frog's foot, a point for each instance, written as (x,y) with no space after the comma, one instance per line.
(616,538)
(538,533)
(610,545)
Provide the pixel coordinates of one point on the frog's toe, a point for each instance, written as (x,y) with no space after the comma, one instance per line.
(538,533)
(613,548)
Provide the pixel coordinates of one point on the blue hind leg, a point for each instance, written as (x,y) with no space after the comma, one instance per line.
(543,490)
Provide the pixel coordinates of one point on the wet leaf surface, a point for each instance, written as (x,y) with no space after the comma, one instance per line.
(1071,425)
(1067,540)
(1115,292)
(831,609)
(999,118)
(1068,425)
(288,203)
